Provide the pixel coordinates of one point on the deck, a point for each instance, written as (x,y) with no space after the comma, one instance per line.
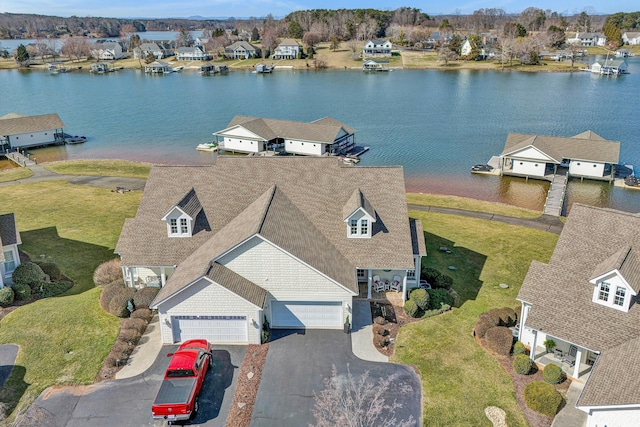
(20,159)
(545,358)
(390,296)
(555,197)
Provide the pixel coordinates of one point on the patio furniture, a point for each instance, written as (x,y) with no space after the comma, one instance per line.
(378,285)
(557,353)
(395,285)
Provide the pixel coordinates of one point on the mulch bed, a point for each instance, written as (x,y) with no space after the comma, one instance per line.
(247,387)
(395,318)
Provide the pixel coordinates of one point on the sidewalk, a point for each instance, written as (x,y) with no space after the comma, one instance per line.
(145,353)
(569,415)
(362,334)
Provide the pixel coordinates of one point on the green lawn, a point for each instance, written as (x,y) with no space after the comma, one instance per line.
(121,168)
(459,379)
(470,205)
(63,340)
(14,174)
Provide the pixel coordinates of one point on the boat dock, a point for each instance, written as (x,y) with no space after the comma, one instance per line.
(20,159)
(555,197)
(357,151)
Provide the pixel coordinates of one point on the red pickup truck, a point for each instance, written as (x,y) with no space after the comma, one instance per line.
(177,399)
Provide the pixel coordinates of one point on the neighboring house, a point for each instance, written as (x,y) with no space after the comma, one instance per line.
(589,39)
(106,51)
(9,241)
(157,67)
(438,38)
(609,66)
(377,48)
(371,65)
(254,135)
(631,38)
(286,240)
(586,300)
(287,49)
(240,50)
(584,155)
(194,53)
(201,41)
(144,49)
(18,131)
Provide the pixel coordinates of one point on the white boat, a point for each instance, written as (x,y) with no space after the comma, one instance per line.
(207,146)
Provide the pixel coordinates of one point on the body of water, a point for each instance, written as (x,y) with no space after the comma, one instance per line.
(436,124)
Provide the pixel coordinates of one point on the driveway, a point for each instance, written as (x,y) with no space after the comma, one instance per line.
(299,361)
(8,353)
(128,401)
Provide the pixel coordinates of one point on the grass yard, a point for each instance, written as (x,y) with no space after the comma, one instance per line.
(459,379)
(14,174)
(63,340)
(123,168)
(470,205)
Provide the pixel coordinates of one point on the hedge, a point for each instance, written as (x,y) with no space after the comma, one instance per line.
(142,313)
(108,292)
(51,289)
(29,274)
(436,279)
(522,364)
(553,374)
(420,297)
(430,313)
(490,317)
(542,398)
(50,269)
(519,348)
(21,291)
(137,324)
(144,297)
(411,308)
(6,296)
(119,304)
(499,339)
(481,327)
(507,316)
(438,297)
(107,272)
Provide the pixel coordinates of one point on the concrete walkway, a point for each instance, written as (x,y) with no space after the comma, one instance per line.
(8,354)
(362,334)
(145,353)
(569,415)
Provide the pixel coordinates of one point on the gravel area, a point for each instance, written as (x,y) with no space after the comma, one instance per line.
(247,388)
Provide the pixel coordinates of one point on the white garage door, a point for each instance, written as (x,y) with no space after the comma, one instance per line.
(301,314)
(215,329)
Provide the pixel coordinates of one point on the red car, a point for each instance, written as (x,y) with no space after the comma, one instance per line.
(177,399)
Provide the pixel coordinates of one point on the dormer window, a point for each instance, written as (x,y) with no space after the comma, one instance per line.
(619,297)
(364,227)
(354,226)
(359,215)
(181,218)
(173,222)
(616,280)
(604,292)
(184,228)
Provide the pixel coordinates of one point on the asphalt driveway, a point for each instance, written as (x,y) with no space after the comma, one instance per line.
(127,402)
(299,361)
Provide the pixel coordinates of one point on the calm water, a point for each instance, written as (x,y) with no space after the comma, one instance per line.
(436,124)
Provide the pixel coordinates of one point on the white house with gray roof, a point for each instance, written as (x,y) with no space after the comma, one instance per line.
(377,48)
(106,50)
(586,300)
(18,131)
(289,240)
(240,50)
(9,241)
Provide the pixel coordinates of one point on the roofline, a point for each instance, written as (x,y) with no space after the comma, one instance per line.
(617,273)
(589,407)
(560,338)
(164,218)
(155,306)
(359,208)
(240,125)
(530,146)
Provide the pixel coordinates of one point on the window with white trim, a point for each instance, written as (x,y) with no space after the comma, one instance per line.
(354,226)
(173,223)
(364,226)
(603,295)
(619,297)
(9,261)
(411,274)
(184,228)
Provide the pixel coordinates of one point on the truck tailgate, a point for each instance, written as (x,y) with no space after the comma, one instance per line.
(175,391)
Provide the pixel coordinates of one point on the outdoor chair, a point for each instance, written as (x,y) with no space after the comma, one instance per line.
(395,285)
(378,285)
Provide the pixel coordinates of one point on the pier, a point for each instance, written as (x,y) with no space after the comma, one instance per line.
(555,197)
(20,159)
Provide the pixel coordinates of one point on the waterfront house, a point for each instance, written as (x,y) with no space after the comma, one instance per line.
(240,50)
(100,68)
(376,48)
(437,38)
(286,240)
(585,155)
(371,65)
(609,66)
(193,53)
(588,39)
(586,301)
(142,51)
(321,137)
(106,50)
(157,67)
(9,241)
(287,49)
(631,38)
(484,52)
(18,131)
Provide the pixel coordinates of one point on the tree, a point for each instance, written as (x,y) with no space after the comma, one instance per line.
(614,36)
(270,38)
(445,55)
(347,401)
(455,43)
(533,18)
(295,30)
(555,36)
(126,32)
(574,49)
(335,42)
(255,35)
(354,45)
(75,47)
(149,58)
(476,45)
(310,39)
(584,22)
(514,29)
(184,38)
(22,56)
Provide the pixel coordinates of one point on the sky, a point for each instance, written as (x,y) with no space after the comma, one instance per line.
(280,8)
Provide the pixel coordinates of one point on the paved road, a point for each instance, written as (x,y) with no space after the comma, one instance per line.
(127,402)
(299,361)
(8,353)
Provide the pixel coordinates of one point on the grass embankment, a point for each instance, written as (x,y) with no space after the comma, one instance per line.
(459,379)
(63,340)
(14,174)
(467,204)
(123,168)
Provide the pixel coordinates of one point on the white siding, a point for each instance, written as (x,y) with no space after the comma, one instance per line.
(205,298)
(241,132)
(628,417)
(244,145)
(531,154)
(582,168)
(304,147)
(525,167)
(6,276)
(32,138)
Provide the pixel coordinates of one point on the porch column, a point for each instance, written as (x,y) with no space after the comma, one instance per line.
(576,367)
(418,269)
(404,287)
(532,354)
(163,276)
(369,280)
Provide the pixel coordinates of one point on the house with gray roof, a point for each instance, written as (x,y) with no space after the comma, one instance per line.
(193,53)
(586,300)
(377,48)
(631,38)
(326,136)
(287,49)
(106,50)
(586,155)
(9,241)
(241,50)
(609,66)
(18,131)
(286,240)
(158,50)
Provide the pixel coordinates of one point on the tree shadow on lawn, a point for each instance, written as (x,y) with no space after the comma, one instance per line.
(12,390)
(467,263)
(76,259)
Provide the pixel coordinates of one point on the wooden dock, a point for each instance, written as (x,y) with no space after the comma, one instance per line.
(19,159)
(555,197)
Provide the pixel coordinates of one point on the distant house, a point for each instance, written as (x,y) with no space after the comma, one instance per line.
(18,131)
(609,66)
(144,49)
(377,48)
(371,65)
(106,51)
(631,38)
(589,39)
(100,68)
(437,38)
(586,301)
(157,67)
(194,53)
(287,49)
(9,241)
(584,155)
(240,50)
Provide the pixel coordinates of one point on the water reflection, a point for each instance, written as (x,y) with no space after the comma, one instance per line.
(529,194)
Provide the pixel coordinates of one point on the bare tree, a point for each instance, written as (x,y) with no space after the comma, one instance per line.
(354,45)
(184,38)
(75,47)
(356,403)
(310,39)
(126,31)
(574,49)
(320,63)
(445,55)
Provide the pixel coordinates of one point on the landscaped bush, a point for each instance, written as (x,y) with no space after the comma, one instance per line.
(380,341)
(439,297)
(138,325)
(21,291)
(542,398)
(29,274)
(119,304)
(499,339)
(411,308)
(553,374)
(507,316)
(519,348)
(121,348)
(420,297)
(522,364)
(108,292)
(490,317)
(107,272)
(144,297)
(481,327)
(380,330)
(442,309)
(455,296)
(6,296)
(51,289)
(431,275)
(51,270)
(443,282)
(118,283)
(141,313)
(129,336)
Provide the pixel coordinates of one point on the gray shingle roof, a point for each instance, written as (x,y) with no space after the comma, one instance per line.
(18,125)
(627,262)
(358,200)
(417,237)
(9,234)
(243,44)
(237,284)
(190,204)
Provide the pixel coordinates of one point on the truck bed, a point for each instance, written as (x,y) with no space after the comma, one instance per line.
(175,391)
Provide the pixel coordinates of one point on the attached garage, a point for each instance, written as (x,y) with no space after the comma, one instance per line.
(306,314)
(216,329)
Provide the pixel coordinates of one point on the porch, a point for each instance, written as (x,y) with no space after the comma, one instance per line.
(568,367)
(387,295)
(575,361)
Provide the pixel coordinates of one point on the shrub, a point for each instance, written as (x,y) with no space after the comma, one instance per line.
(380,341)
(380,320)
(107,272)
(129,336)
(481,327)
(522,364)
(380,330)
(142,313)
(431,275)
(519,348)
(411,308)
(542,398)
(144,297)
(455,296)
(29,274)
(51,270)
(118,283)
(443,282)
(6,296)
(137,324)
(420,297)
(497,313)
(108,292)
(51,289)
(490,317)
(121,348)
(499,340)
(21,291)
(553,374)
(430,313)
(438,297)
(119,304)
(507,316)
